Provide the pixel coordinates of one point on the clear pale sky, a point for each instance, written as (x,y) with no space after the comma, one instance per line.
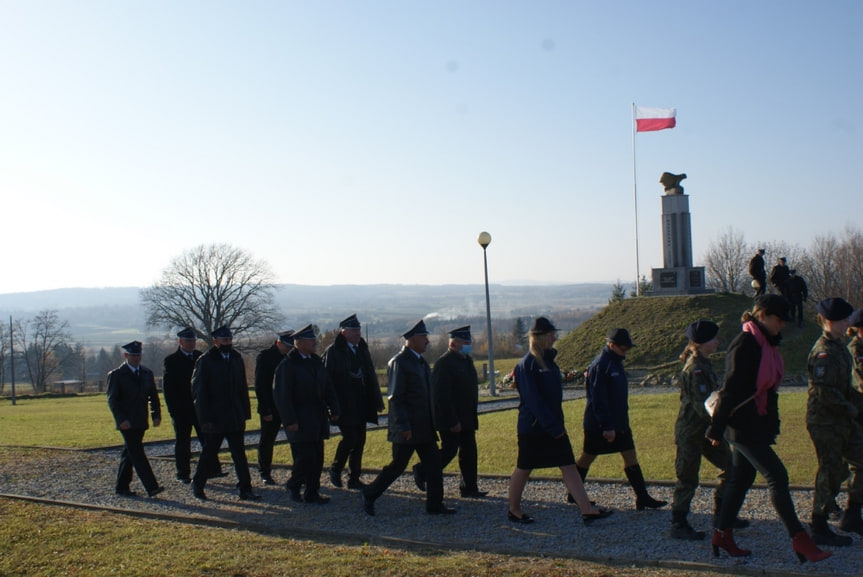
(349,142)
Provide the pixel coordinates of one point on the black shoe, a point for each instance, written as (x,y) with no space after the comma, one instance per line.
(368,504)
(267,480)
(319,499)
(474,494)
(648,502)
(199,493)
(356,484)
(603,513)
(217,475)
(684,532)
(336,478)
(419,479)
(441,510)
(184,479)
(296,497)
(154,492)
(525,519)
(126,493)
(571,500)
(739,523)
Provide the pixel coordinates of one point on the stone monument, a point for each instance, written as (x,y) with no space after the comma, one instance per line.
(677,276)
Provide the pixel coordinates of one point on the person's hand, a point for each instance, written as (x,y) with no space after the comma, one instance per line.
(267,418)
(609,435)
(713,442)
(334,419)
(407,435)
(456,428)
(293,427)
(125,425)
(157,421)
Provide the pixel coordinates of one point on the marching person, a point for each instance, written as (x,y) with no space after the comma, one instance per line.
(223,407)
(131,390)
(352,371)
(606,416)
(409,425)
(797,293)
(855,347)
(177,369)
(697,381)
(542,438)
(748,414)
(756,271)
(779,275)
(265,369)
(307,402)
(831,418)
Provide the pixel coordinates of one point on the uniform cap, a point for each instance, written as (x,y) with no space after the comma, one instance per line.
(776,305)
(461,333)
(542,325)
(417,329)
(702,331)
(287,337)
(307,332)
(620,337)
(223,332)
(857,318)
(352,322)
(187,333)
(834,309)
(133,348)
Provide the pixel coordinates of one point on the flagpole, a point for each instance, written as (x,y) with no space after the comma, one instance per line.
(635,203)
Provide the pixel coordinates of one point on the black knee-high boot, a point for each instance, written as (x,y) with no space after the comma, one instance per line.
(642,499)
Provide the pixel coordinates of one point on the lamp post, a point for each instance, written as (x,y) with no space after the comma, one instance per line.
(484,239)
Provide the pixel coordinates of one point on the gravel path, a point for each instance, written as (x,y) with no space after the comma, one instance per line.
(631,537)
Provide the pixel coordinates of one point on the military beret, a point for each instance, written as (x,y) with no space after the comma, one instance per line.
(541,325)
(223,332)
(417,329)
(857,318)
(133,348)
(352,322)
(187,333)
(620,337)
(702,331)
(776,305)
(307,332)
(834,309)
(462,333)
(287,337)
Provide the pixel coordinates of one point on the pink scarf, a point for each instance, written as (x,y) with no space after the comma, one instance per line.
(771,369)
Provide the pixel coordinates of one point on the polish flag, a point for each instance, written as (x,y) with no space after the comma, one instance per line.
(648,119)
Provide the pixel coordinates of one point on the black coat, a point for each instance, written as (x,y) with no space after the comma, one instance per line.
(359,392)
(304,395)
(221,393)
(129,396)
(177,369)
(409,391)
(265,370)
(454,392)
(741,372)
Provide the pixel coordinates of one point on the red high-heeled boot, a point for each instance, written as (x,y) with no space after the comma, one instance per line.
(725,540)
(806,548)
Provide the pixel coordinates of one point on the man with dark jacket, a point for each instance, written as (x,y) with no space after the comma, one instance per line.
(350,366)
(177,371)
(797,293)
(756,271)
(223,407)
(307,402)
(410,426)
(131,389)
(271,422)
(779,275)
(455,395)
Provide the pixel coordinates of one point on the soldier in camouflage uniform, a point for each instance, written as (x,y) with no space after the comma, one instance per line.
(697,381)
(855,347)
(831,418)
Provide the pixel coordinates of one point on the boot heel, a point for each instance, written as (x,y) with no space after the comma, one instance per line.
(801,557)
(716,551)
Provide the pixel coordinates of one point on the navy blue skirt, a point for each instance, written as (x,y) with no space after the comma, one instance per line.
(541,451)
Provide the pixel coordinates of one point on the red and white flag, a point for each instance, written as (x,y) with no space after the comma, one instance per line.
(648,119)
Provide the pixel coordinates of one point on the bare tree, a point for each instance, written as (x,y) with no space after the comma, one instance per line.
(210,286)
(849,259)
(727,261)
(43,345)
(820,268)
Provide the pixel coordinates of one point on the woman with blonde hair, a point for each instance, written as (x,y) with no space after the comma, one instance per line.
(542,438)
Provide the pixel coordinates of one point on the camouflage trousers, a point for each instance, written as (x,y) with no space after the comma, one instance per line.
(838,448)
(690,449)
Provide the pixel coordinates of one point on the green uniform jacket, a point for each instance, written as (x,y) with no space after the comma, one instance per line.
(697,381)
(855,347)
(830,401)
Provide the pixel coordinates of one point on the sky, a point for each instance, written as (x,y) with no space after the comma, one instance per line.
(347,142)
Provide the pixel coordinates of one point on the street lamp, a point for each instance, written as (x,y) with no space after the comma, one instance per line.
(484,239)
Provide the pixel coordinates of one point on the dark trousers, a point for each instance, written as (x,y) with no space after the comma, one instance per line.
(183,446)
(797,309)
(133,455)
(350,450)
(308,466)
(463,444)
(210,459)
(763,286)
(402,453)
(747,460)
(269,432)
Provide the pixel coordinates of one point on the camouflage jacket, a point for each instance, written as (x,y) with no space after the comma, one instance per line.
(697,381)
(830,401)
(855,347)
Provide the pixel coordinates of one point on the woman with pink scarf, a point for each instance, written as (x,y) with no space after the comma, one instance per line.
(748,415)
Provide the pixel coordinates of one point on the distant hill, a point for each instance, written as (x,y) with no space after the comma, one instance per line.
(657,325)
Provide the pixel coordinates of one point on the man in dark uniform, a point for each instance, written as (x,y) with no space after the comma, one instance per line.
(797,293)
(223,407)
(756,271)
(307,402)
(353,374)
(410,426)
(131,389)
(779,275)
(265,370)
(177,371)
(455,395)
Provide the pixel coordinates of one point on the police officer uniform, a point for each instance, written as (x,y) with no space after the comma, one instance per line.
(265,370)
